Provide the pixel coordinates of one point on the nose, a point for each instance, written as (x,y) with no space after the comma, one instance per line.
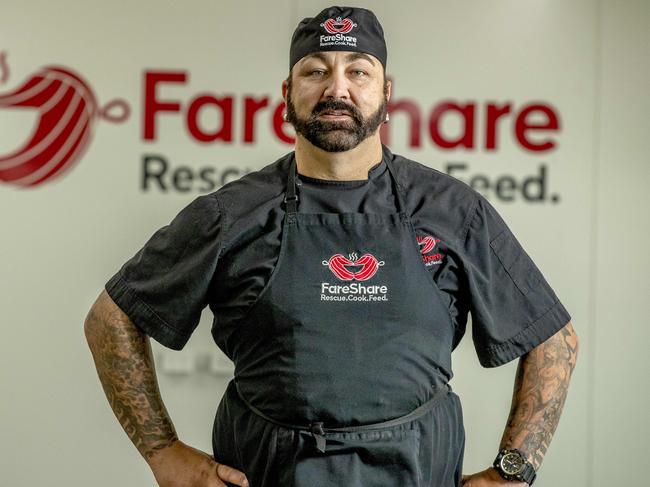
(337,86)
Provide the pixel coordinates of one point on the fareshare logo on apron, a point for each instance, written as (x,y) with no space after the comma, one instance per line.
(353,268)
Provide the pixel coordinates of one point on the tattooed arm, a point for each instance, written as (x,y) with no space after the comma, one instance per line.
(541,386)
(124,363)
(125,367)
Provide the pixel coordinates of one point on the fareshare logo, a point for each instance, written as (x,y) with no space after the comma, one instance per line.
(62,110)
(338,28)
(67,110)
(353,268)
(335,26)
(427,243)
(366,266)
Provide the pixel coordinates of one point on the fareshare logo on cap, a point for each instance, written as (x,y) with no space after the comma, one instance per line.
(353,269)
(338,28)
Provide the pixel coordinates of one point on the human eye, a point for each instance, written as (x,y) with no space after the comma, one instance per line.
(317,72)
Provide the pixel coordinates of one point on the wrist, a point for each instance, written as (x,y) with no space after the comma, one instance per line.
(512,465)
(156,455)
(497,478)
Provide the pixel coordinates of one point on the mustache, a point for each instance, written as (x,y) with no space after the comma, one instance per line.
(338,106)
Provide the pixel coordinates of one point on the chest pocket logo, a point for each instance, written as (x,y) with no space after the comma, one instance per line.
(427,244)
(355,268)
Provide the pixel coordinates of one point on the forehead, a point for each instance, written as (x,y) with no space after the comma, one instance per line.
(331,57)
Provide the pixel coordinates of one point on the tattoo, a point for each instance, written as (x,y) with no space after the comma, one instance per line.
(540,390)
(125,367)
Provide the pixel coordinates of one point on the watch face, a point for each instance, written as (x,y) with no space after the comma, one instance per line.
(512,463)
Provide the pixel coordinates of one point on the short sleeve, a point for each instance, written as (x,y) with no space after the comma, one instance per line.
(513,307)
(163,288)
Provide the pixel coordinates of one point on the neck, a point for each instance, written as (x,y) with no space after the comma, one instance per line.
(346,166)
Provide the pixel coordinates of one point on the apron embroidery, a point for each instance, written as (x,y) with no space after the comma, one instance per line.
(340,266)
(427,244)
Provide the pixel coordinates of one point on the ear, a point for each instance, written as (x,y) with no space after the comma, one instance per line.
(389,88)
(284,90)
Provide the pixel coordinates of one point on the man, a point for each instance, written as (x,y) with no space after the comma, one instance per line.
(341,277)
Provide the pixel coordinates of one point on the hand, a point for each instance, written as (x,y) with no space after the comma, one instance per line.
(489,478)
(180,465)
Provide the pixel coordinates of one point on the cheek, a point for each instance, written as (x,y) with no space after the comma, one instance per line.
(370,104)
(370,98)
(306,102)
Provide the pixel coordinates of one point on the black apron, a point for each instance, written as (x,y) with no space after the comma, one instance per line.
(342,363)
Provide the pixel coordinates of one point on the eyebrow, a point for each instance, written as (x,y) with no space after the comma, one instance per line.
(349,58)
(359,55)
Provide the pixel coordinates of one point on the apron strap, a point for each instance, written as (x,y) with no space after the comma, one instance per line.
(318,431)
(290,197)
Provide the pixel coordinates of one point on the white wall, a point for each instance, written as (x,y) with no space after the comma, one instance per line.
(60,241)
(617,368)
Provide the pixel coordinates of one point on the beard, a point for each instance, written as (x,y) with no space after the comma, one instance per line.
(335,135)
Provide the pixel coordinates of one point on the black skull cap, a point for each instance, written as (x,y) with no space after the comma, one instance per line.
(339,29)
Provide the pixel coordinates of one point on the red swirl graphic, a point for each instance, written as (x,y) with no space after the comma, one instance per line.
(338,26)
(427,243)
(67,109)
(368,263)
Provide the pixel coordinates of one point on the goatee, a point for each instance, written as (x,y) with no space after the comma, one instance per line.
(336,135)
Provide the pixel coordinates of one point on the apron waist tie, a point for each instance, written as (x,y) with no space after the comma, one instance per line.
(318,431)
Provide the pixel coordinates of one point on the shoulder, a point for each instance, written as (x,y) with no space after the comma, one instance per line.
(434,198)
(249,199)
(255,188)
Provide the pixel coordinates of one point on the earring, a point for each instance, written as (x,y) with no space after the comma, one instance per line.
(387,118)
(284,116)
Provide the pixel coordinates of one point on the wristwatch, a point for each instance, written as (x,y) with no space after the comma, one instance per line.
(512,465)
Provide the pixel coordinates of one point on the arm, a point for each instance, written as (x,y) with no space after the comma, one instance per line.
(541,387)
(124,364)
(540,390)
(125,367)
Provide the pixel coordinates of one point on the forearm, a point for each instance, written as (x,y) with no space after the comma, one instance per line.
(540,390)
(125,367)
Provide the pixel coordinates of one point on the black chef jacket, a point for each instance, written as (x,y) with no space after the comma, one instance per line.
(220,250)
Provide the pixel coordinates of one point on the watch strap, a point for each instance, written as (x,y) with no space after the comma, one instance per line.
(528,474)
